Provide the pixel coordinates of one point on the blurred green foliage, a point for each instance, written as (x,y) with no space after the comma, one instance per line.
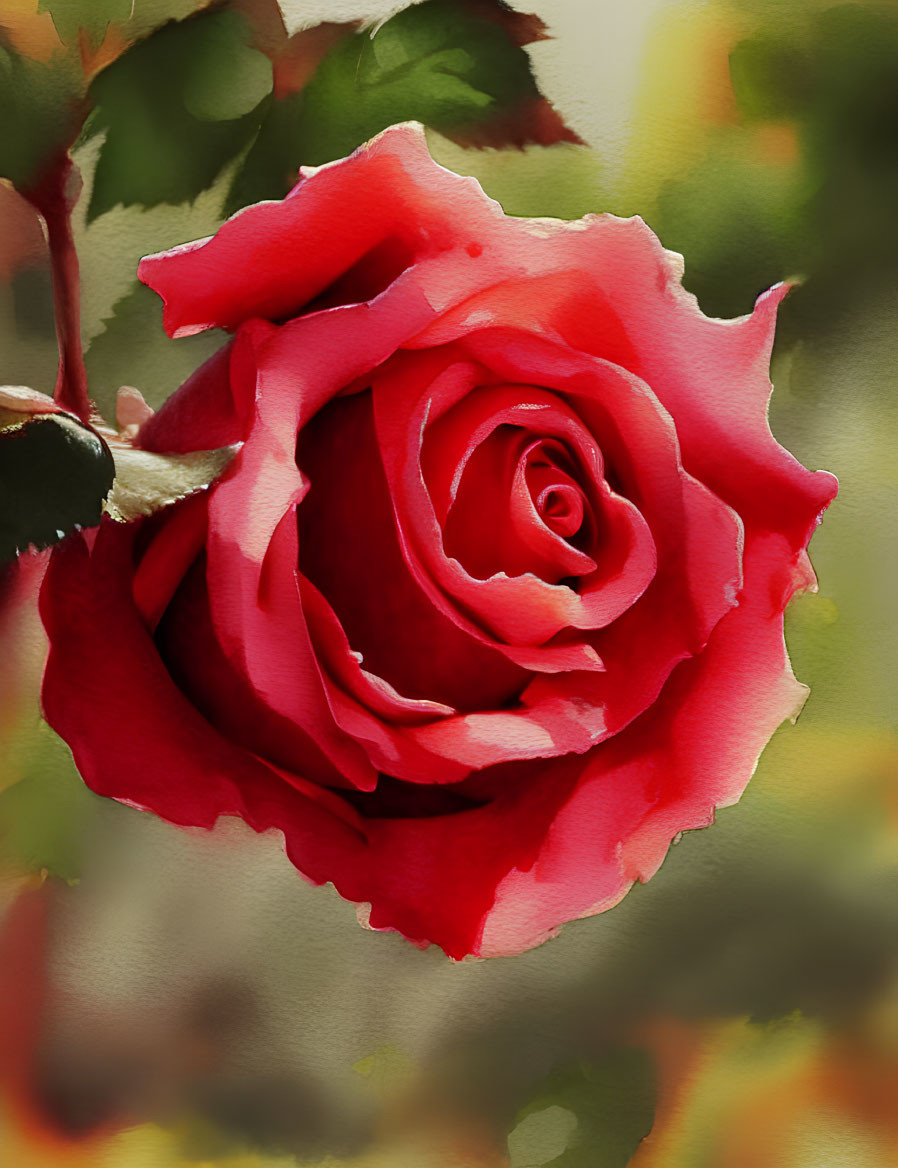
(613,1103)
(562,181)
(228,78)
(197,93)
(741,223)
(43,99)
(272,163)
(807,182)
(44,816)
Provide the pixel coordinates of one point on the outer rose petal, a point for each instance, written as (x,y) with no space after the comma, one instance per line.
(271,259)
(693,751)
(712,376)
(113,720)
(417,874)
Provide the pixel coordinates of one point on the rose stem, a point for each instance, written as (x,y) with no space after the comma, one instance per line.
(54,197)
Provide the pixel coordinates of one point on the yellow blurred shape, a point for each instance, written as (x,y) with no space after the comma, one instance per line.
(387,1070)
(685,95)
(832,765)
(150,1146)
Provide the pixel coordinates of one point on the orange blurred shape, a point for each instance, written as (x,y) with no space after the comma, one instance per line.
(682,1054)
(779,1094)
(717,101)
(778,143)
(96,58)
(845,1093)
(28,30)
(27,1131)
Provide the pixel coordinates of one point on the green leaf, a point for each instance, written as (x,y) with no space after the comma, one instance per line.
(432,63)
(229,78)
(590,1116)
(133,349)
(176,107)
(456,66)
(272,164)
(92,16)
(740,220)
(55,473)
(35,114)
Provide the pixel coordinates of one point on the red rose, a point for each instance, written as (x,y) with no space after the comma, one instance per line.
(488,607)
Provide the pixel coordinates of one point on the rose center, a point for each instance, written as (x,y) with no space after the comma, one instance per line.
(520,508)
(556,496)
(561,509)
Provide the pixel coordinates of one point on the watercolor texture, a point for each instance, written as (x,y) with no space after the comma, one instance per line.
(447,530)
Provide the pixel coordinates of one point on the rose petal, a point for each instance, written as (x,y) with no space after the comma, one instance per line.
(272,259)
(519,610)
(694,751)
(113,720)
(401,635)
(605,286)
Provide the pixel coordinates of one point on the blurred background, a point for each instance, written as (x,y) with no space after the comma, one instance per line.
(173,997)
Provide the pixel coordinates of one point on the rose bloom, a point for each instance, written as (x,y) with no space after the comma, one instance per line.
(489,604)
